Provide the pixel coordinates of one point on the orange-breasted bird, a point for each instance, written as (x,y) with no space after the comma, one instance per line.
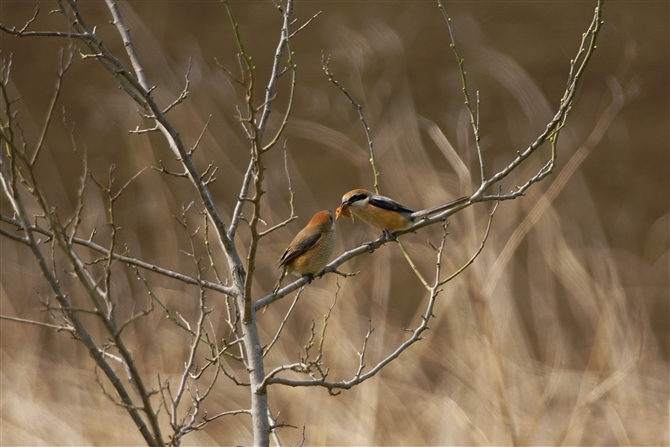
(311,249)
(384,213)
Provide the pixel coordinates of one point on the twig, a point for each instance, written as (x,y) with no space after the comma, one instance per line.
(325,62)
(121,258)
(305,24)
(197,142)
(65,66)
(39,323)
(182,96)
(474,116)
(412,265)
(477,253)
(283,323)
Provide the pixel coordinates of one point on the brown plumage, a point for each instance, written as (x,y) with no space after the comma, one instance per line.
(311,248)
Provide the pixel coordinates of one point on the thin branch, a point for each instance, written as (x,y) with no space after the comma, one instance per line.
(20,33)
(577,67)
(305,24)
(208,247)
(294,70)
(477,253)
(241,199)
(361,353)
(59,238)
(31,20)
(207,419)
(284,42)
(182,428)
(411,263)
(139,131)
(619,99)
(164,170)
(325,62)
(197,142)
(292,217)
(57,327)
(184,93)
(358,378)
(65,66)
(118,257)
(283,323)
(474,116)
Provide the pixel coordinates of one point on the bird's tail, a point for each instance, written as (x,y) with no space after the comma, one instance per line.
(438,208)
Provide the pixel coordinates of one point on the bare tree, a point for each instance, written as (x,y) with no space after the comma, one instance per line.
(74,265)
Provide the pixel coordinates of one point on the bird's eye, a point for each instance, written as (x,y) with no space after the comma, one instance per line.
(356,198)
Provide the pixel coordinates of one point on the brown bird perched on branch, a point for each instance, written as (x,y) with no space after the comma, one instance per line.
(384,213)
(311,249)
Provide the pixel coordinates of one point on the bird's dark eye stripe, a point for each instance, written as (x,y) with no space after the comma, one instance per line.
(356,198)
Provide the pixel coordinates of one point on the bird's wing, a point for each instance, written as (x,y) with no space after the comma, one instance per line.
(293,252)
(388,204)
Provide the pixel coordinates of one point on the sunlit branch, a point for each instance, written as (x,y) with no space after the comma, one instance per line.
(125,259)
(57,327)
(292,217)
(197,141)
(282,324)
(181,428)
(472,259)
(284,41)
(474,115)
(139,89)
(611,110)
(210,255)
(585,51)
(272,377)
(413,266)
(325,62)
(304,25)
(65,66)
(184,93)
(59,238)
(207,419)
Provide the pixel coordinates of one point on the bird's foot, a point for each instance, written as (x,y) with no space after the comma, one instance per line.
(388,235)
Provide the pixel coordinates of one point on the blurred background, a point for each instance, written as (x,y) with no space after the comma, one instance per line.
(558,334)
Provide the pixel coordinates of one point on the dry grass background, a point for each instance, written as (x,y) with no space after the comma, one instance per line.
(559,331)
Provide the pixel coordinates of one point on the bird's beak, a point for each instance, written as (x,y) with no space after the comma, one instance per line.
(343,210)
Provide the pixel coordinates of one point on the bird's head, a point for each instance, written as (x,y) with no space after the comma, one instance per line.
(356,198)
(323,220)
